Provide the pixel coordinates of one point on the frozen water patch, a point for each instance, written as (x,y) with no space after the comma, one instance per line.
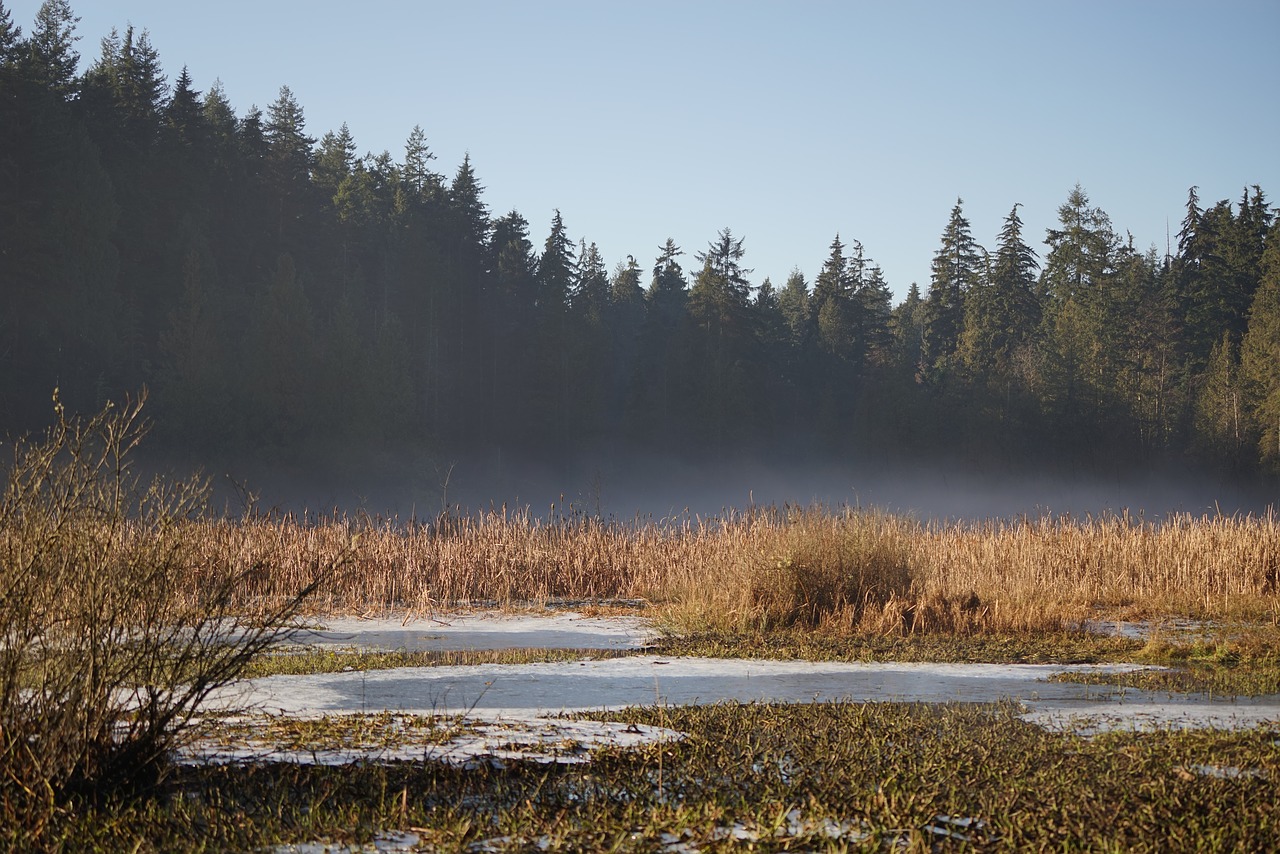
(521,691)
(468,632)
(388,842)
(1145,629)
(478,743)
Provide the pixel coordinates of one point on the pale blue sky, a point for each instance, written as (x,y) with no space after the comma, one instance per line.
(785,122)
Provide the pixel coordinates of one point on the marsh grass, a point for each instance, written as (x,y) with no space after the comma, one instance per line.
(1222,661)
(843,570)
(824,777)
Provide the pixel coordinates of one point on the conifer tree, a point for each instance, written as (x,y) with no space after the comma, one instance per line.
(465,201)
(335,159)
(219,117)
(1082,335)
(10,37)
(720,312)
(52,60)
(184,116)
(956,269)
(1002,315)
(127,81)
(1260,357)
(653,403)
(833,305)
(1220,417)
(417,173)
(875,311)
(793,302)
(287,167)
(589,296)
(907,325)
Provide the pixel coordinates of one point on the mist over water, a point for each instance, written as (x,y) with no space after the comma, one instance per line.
(627,487)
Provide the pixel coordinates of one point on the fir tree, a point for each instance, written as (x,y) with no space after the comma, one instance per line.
(417,173)
(1002,315)
(52,60)
(10,37)
(956,269)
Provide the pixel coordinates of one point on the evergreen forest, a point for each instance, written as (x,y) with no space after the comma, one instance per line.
(282,296)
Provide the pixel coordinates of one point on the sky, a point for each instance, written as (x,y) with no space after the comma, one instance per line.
(785,122)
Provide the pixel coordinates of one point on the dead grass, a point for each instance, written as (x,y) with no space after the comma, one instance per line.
(845,571)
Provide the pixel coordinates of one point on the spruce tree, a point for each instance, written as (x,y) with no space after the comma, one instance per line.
(793,302)
(725,340)
(52,60)
(417,173)
(833,306)
(1002,315)
(957,268)
(654,411)
(10,37)
(1081,327)
(184,117)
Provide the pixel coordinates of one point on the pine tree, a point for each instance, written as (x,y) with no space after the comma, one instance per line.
(589,296)
(464,199)
(907,326)
(126,87)
(556,269)
(875,311)
(793,302)
(1081,253)
(287,167)
(10,37)
(417,173)
(956,269)
(218,114)
(833,306)
(1081,326)
(653,411)
(1002,315)
(52,60)
(335,159)
(184,115)
(720,312)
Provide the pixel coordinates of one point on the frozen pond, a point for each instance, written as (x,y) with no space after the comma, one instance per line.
(530,690)
(565,630)
(524,691)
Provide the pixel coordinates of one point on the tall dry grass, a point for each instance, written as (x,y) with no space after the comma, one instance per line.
(846,569)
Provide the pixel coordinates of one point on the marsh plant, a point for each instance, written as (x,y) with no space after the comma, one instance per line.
(843,570)
(114,624)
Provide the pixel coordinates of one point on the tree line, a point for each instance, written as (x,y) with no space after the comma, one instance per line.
(282,295)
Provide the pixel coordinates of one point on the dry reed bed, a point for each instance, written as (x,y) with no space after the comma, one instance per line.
(845,569)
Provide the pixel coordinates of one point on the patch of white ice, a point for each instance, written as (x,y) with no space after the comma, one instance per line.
(522,690)
(560,630)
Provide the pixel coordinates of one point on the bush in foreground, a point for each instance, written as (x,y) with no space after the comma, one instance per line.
(114,626)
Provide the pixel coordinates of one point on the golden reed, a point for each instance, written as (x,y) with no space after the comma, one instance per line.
(840,569)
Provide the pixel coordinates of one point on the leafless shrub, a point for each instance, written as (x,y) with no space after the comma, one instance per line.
(115,623)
